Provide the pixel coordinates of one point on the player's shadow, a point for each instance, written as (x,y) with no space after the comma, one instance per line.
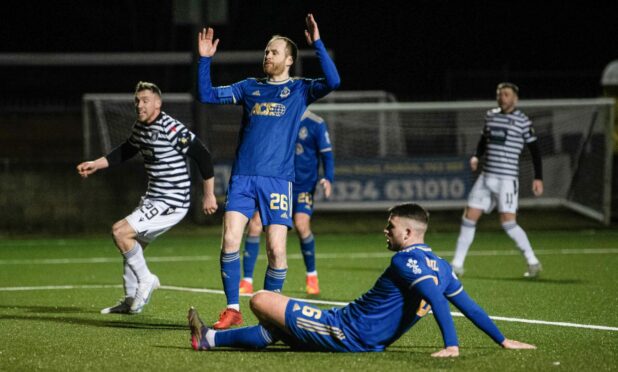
(47,309)
(520,279)
(105,323)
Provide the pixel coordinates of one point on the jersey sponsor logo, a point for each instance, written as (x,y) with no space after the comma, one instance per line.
(303,133)
(299,149)
(268,109)
(413,264)
(497,135)
(285,92)
(256,93)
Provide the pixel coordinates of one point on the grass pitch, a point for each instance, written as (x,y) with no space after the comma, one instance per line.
(51,291)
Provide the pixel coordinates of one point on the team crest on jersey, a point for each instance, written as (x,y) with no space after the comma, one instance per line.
(413,264)
(299,149)
(303,133)
(268,109)
(154,136)
(285,92)
(256,93)
(184,139)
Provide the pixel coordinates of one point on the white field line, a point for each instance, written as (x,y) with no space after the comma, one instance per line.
(296,256)
(319,302)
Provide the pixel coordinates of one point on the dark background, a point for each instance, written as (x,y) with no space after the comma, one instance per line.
(420,50)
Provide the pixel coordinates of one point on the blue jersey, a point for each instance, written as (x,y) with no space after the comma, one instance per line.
(272,113)
(380,316)
(312,147)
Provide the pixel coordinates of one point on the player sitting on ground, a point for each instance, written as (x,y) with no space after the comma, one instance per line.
(415,280)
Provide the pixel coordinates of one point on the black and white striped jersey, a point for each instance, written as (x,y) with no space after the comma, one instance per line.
(505,136)
(163,145)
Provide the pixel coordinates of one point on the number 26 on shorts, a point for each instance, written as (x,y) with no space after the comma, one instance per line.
(278,201)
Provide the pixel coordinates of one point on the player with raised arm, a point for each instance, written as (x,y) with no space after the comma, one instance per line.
(415,281)
(263,170)
(312,148)
(504,135)
(164,144)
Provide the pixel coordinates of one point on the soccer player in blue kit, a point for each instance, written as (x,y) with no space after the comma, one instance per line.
(263,170)
(313,147)
(415,281)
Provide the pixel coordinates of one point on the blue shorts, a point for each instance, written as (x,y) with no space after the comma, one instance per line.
(315,329)
(271,196)
(303,202)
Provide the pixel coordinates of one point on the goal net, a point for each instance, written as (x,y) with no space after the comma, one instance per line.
(388,152)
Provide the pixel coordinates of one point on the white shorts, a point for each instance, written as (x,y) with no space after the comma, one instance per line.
(489,191)
(152,218)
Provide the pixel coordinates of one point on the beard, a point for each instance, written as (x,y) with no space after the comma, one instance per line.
(273,69)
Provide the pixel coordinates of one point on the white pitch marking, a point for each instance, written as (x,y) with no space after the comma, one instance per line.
(96,260)
(320,302)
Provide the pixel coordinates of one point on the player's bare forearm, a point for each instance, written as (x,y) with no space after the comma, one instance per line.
(209,202)
(89,167)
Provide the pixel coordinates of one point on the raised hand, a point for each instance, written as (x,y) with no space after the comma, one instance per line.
(311,32)
(205,44)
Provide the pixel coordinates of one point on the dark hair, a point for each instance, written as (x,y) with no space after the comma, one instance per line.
(144,85)
(412,211)
(290,47)
(506,84)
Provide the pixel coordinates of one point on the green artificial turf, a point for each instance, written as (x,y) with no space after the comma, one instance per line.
(61,329)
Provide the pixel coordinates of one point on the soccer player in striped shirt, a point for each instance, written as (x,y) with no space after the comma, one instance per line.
(312,148)
(416,281)
(263,170)
(164,144)
(505,133)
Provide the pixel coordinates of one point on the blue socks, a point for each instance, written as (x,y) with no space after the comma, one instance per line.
(274,278)
(230,275)
(252,250)
(307,247)
(255,337)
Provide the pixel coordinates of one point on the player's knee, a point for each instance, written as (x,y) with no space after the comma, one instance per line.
(231,240)
(259,301)
(118,231)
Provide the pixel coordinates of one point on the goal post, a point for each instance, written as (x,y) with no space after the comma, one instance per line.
(389,152)
(430,144)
